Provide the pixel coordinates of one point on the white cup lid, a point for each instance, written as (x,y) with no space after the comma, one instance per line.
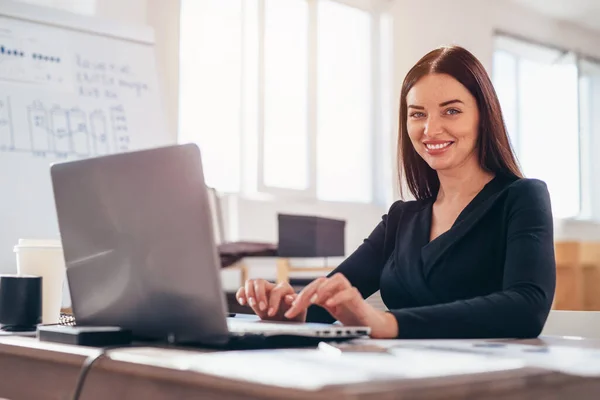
(38,243)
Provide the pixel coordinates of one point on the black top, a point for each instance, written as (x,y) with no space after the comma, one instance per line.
(491,275)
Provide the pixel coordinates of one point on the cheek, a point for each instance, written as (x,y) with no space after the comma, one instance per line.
(472,129)
(415,131)
(466,132)
(473,134)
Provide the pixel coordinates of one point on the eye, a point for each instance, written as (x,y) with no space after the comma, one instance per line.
(453,111)
(417,114)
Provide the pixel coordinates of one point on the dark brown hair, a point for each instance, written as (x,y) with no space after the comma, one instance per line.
(493,146)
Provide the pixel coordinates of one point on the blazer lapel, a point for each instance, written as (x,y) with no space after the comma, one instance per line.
(408,258)
(468,218)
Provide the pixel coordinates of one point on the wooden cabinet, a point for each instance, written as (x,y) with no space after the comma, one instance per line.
(577,276)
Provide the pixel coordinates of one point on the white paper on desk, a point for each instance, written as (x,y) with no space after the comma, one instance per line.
(314,369)
(564,359)
(156,356)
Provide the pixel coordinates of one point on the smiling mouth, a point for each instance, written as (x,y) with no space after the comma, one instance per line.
(437,146)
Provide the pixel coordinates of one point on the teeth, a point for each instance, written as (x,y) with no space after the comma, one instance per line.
(437,146)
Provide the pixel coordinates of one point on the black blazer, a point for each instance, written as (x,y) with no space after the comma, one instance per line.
(491,275)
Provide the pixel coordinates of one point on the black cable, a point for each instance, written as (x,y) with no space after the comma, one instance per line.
(91,360)
(87,366)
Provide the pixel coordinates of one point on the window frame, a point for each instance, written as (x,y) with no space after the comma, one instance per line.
(376,9)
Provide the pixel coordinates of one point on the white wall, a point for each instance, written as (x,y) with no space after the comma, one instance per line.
(163,16)
(422,26)
(131,12)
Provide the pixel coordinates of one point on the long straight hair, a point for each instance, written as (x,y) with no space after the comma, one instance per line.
(493,146)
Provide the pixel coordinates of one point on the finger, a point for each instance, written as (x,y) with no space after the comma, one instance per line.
(289,299)
(303,301)
(329,288)
(240,295)
(344,297)
(279,291)
(260,291)
(250,294)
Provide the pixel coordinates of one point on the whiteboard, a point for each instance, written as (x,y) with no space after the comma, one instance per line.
(71,87)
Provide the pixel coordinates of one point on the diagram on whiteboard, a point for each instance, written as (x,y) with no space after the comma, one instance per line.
(61,100)
(54,131)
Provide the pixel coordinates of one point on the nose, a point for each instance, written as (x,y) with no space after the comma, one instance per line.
(433,126)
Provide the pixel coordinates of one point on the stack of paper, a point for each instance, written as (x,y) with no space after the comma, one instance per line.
(315,369)
(564,359)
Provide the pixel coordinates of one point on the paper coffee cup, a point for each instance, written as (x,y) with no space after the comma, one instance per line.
(44,258)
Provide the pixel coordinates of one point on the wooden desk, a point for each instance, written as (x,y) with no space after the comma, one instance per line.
(33,370)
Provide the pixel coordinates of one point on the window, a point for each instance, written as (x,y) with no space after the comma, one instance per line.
(211,88)
(286,47)
(538,89)
(344,143)
(288,97)
(589,113)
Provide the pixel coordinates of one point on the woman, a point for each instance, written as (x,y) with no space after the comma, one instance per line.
(472,256)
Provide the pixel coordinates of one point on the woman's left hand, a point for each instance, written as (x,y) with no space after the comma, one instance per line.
(345,303)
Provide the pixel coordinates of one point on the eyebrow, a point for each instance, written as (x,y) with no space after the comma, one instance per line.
(445,103)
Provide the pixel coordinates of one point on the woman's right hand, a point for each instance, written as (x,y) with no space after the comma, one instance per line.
(268,300)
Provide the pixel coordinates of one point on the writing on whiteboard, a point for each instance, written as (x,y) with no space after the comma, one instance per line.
(33,59)
(99,79)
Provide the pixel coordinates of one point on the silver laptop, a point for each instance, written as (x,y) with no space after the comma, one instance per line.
(138,243)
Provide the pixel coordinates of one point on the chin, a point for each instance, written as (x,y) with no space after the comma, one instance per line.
(440,165)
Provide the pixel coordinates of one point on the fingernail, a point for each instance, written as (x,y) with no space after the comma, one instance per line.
(294,303)
(241,301)
(314,298)
(329,302)
(251,301)
(288,314)
(262,306)
(271,312)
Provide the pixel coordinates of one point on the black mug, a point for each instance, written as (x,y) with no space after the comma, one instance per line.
(20,302)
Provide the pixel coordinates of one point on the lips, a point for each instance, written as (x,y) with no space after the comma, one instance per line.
(436,147)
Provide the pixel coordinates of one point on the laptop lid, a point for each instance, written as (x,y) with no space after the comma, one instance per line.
(138,243)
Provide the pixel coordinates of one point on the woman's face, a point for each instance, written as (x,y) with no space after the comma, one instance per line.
(442,122)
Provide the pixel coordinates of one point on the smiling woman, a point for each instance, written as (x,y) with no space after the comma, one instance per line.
(448,99)
(472,256)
